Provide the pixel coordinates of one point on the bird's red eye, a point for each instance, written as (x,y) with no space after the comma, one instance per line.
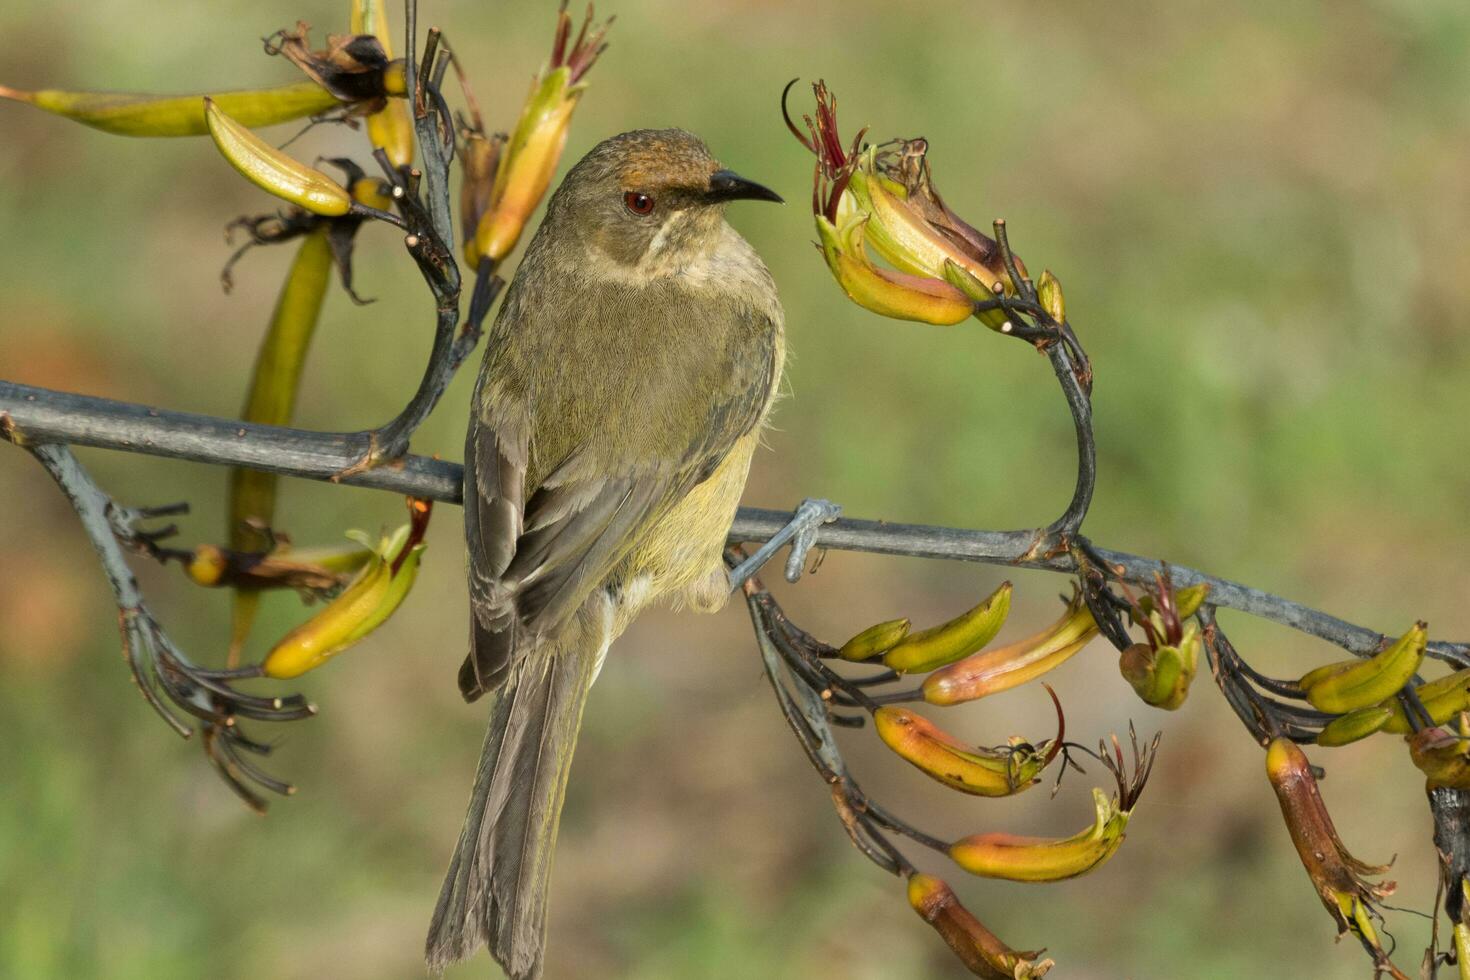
(639,204)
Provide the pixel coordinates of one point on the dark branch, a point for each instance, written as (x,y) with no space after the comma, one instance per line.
(39,415)
(1451,810)
(1070,376)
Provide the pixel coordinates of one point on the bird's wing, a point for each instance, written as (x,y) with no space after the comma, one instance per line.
(541,550)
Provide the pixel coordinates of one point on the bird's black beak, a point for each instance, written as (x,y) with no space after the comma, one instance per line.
(726,185)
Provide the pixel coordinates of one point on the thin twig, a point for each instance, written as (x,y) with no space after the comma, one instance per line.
(164,674)
(1069,376)
(429,241)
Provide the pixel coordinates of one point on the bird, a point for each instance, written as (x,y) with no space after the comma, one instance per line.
(624,388)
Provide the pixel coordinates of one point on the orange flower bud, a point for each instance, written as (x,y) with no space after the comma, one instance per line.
(529,160)
(992,671)
(976,770)
(1339,878)
(976,946)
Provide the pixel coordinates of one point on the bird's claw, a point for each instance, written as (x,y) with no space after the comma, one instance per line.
(801,531)
(811,515)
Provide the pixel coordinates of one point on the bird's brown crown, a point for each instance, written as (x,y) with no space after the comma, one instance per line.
(654,159)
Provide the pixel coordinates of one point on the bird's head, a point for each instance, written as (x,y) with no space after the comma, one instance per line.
(650,199)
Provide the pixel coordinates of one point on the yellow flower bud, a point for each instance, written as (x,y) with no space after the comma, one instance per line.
(128,114)
(885,292)
(875,640)
(528,165)
(1360,683)
(1354,726)
(373,192)
(395,79)
(937,646)
(326,633)
(1049,291)
(208,566)
(273,171)
(362,607)
(1039,859)
(1443,698)
(391,127)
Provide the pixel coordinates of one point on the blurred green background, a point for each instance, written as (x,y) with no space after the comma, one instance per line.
(1258,211)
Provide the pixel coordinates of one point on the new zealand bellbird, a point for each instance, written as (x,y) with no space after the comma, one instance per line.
(624,388)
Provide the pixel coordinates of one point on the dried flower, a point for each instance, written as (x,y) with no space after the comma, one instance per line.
(1339,878)
(976,946)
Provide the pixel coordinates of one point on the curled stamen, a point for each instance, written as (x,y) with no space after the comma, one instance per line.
(786,115)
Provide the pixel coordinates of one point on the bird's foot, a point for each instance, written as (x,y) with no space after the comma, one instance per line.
(801,531)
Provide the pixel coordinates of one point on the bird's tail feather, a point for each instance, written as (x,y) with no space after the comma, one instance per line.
(495,891)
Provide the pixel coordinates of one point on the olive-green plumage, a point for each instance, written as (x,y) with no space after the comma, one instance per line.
(624,387)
